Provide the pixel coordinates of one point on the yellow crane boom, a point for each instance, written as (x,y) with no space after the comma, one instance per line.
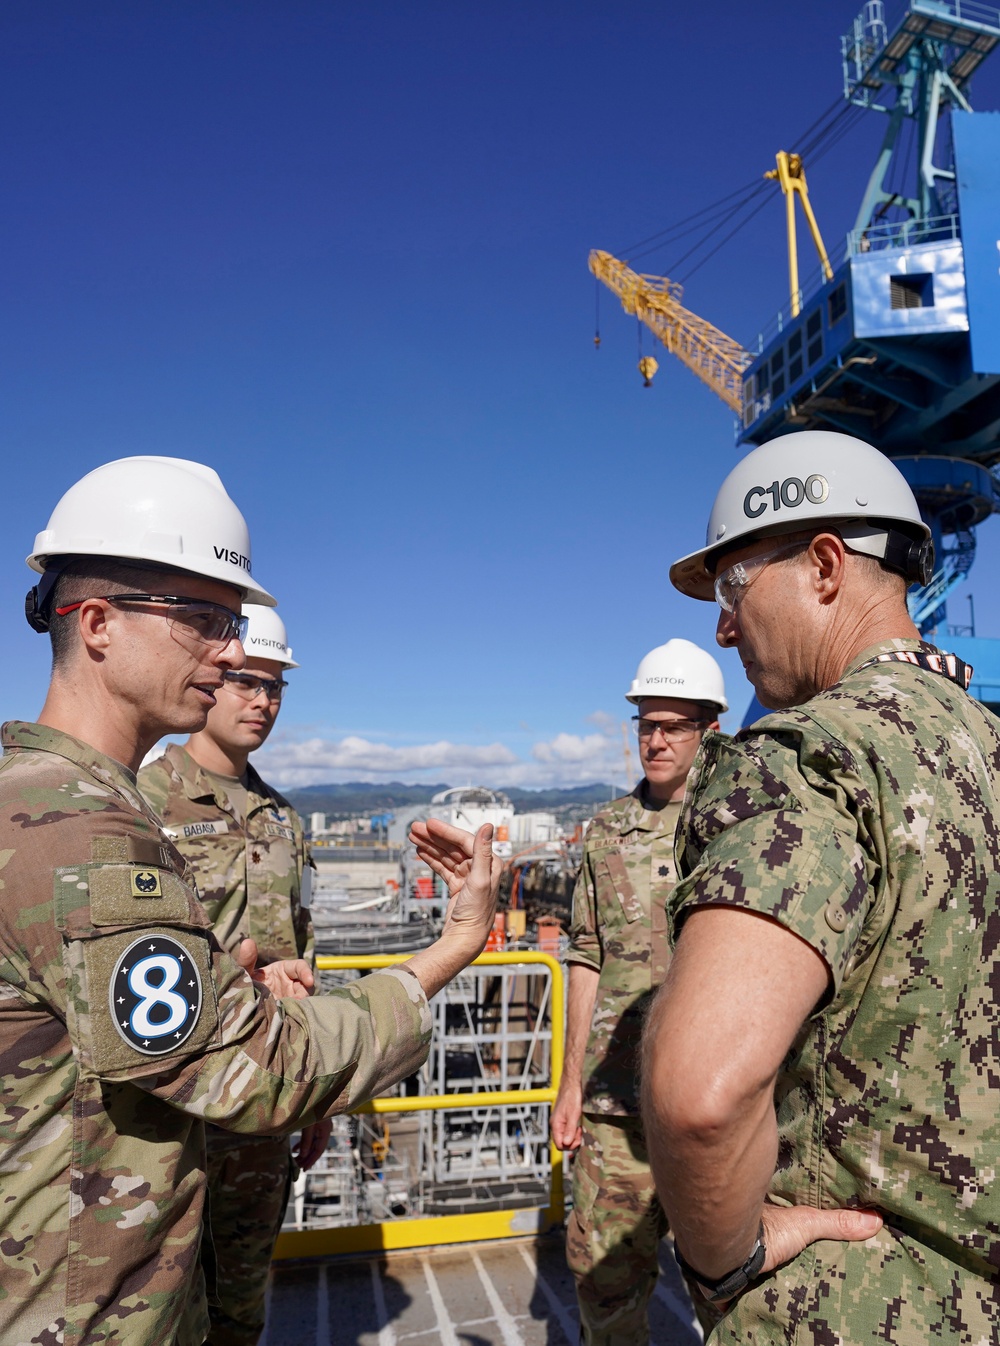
(717,359)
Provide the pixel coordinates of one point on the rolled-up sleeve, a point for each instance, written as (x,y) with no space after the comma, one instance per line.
(768,830)
(584,940)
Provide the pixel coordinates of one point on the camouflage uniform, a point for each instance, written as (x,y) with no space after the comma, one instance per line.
(249,863)
(251,866)
(868,823)
(124,1027)
(619,927)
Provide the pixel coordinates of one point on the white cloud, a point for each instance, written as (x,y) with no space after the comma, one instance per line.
(607,724)
(572,748)
(315,761)
(565,759)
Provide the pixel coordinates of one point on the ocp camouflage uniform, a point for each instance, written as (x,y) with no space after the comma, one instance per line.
(253,869)
(253,872)
(619,927)
(124,1027)
(867,822)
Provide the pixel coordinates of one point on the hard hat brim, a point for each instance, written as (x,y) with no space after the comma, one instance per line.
(692,577)
(249,591)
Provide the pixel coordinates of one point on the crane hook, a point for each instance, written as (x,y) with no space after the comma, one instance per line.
(647,368)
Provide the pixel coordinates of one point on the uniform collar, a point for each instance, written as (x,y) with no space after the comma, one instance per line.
(19,735)
(885,647)
(640,818)
(199,786)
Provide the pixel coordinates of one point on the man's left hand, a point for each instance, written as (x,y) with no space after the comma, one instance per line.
(312,1143)
(789,1229)
(289,977)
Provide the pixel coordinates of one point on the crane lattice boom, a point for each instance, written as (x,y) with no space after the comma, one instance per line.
(717,359)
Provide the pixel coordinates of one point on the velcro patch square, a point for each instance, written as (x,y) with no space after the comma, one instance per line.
(145,883)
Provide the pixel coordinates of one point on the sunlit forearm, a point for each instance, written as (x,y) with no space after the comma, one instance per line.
(712,1148)
(579,1015)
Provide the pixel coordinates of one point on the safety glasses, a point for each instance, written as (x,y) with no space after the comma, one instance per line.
(249,686)
(674,731)
(210,622)
(732,581)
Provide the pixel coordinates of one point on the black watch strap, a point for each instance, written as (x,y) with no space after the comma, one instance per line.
(725,1287)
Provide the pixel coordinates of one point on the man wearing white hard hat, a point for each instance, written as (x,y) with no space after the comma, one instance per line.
(124,1025)
(821,1068)
(246,847)
(618,954)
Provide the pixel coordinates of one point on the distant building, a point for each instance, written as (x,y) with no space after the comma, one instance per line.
(469,806)
(528,829)
(317,823)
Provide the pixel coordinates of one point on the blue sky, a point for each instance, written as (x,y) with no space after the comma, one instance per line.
(338,252)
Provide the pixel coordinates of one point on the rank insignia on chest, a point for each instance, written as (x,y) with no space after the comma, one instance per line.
(663,872)
(146,883)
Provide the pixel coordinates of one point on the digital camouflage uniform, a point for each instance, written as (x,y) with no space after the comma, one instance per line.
(249,865)
(619,927)
(124,1027)
(867,821)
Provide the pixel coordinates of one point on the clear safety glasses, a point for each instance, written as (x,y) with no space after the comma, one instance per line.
(674,731)
(733,580)
(249,686)
(209,622)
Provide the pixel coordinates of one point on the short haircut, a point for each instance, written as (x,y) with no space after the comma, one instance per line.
(91,577)
(877,574)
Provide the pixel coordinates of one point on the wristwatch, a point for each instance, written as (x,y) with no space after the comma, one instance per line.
(725,1287)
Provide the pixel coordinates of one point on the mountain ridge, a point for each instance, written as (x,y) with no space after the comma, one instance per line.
(344,798)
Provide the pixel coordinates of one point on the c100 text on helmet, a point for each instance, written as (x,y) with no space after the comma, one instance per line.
(791,492)
(804,480)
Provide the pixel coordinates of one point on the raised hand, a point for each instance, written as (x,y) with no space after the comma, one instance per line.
(472,872)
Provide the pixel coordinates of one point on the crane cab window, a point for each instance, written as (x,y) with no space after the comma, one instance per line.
(795,356)
(814,336)
(837,305)
(778,373)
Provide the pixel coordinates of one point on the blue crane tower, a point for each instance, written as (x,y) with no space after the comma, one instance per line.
(899,343)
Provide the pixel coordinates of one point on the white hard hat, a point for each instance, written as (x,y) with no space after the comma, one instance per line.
(679,669)
(812,477)
(266,636)
(167,511)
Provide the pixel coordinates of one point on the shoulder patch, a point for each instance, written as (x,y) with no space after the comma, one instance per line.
(155,995)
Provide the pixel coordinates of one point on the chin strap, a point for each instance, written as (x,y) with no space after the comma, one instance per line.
(934,661)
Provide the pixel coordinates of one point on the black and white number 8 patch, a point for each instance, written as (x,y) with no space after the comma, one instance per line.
(155,995)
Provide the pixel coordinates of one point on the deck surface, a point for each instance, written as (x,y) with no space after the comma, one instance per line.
(516,1292)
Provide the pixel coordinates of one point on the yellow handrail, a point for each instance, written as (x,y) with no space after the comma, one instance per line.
(464,1228)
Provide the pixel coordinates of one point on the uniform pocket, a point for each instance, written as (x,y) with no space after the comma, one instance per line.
(624,889)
